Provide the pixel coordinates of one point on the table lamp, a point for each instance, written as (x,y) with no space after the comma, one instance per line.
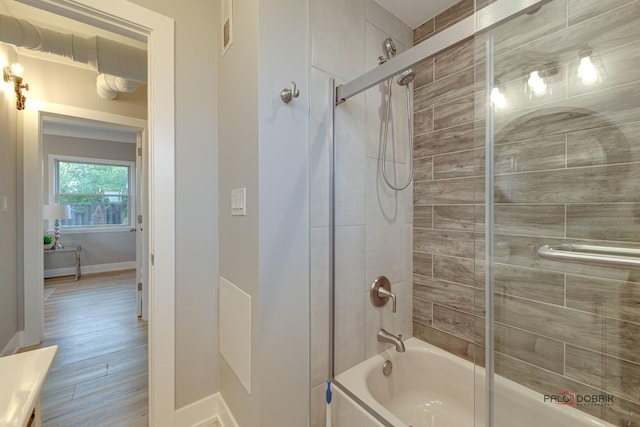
(56,212)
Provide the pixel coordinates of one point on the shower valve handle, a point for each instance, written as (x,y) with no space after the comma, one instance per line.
(288,94)
(381,292)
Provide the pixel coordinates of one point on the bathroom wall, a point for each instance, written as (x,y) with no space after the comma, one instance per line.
(9,289)
(566,171)
(443,255)
(264,148)
(373,223)
(196,195)
(237,168)
(283,350)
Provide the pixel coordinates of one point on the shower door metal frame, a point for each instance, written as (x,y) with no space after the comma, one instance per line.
(489,238)
(332,259)
(483,20)
(486,18)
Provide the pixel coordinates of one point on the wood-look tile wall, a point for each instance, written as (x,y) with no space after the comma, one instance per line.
(567,169)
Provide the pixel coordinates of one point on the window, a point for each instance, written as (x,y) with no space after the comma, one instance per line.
(100,192)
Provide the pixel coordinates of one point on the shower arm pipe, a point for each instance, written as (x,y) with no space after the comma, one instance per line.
(482,20)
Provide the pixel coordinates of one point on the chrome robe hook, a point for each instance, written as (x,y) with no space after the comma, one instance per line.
(288,94)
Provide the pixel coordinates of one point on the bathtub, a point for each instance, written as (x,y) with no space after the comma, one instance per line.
(429,387)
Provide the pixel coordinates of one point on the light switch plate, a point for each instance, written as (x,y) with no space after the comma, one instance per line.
(4,204)
(239,201)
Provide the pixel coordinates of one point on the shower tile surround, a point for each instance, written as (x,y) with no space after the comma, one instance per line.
(374,228)
(558,326)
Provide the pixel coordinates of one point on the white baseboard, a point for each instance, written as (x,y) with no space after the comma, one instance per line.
(90,269)
(12,346)
(210,411)
(224,414)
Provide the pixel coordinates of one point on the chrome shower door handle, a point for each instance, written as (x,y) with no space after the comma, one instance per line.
(288,94)
(601,256)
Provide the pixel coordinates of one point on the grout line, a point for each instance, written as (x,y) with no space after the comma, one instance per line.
(564,359)
(566,150)
(564,282)
(565,220)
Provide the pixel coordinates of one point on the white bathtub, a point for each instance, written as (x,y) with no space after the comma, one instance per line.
(430,387)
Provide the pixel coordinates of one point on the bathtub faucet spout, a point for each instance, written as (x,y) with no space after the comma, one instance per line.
(384,336)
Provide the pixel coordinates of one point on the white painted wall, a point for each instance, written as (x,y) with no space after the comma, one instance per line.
(264,147)
(66,85)
(196,196)
(9,287)
(238,167)
(284,213)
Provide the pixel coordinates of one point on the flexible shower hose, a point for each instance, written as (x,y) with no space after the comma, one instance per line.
(409,144)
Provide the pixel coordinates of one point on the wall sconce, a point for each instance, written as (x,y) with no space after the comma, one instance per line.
(13,75)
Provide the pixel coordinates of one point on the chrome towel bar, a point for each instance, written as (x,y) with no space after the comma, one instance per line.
(601,256)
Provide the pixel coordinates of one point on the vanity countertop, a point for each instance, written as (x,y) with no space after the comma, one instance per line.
(21,378)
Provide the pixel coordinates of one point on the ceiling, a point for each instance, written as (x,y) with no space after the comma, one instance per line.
(61,24)
(411,12)
(415,12)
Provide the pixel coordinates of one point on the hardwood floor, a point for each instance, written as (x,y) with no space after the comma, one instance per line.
(99,377)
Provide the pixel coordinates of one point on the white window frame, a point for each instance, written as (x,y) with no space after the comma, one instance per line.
(53,193)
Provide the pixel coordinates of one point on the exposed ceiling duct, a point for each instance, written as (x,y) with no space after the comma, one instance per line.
(120,66)
(108,86)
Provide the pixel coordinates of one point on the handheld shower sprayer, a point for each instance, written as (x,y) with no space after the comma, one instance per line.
(404,79)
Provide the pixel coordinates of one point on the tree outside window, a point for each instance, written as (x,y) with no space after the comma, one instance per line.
(99,193)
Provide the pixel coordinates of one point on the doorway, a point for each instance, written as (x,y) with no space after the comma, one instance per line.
(137,22)
(99,170)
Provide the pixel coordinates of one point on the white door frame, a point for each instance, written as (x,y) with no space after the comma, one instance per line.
(138,22)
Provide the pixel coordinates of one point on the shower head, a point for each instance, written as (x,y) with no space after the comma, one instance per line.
(406,77)
(389,48)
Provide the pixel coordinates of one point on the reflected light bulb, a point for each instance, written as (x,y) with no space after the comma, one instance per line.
(17,69)
(587,71)
(498,100)
(537,84)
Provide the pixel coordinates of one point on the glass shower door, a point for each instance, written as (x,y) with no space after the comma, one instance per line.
(558,116)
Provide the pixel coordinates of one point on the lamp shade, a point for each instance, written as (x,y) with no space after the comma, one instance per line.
(56,212)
